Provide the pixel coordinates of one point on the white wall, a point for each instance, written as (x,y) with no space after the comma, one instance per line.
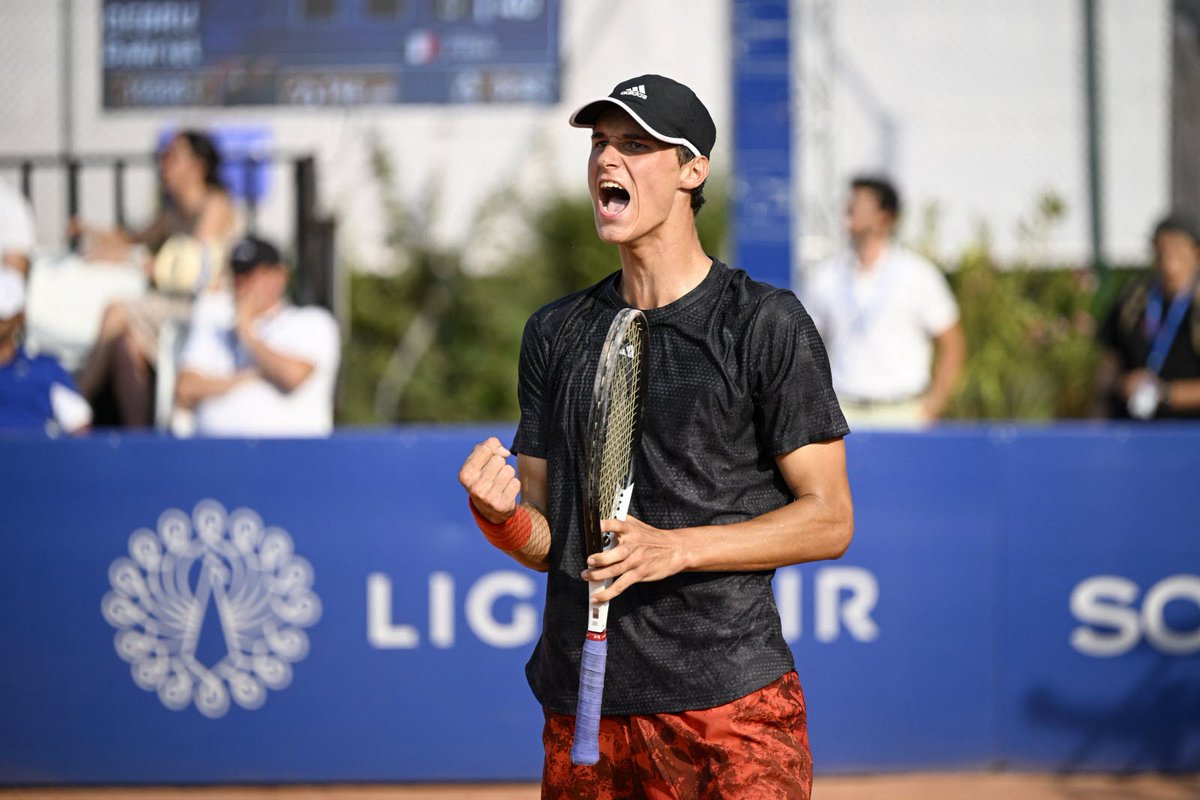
(461,155)
(985,96)
(987,102)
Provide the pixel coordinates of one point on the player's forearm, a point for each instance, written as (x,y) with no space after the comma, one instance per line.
(948,368)
(284,372)
(1183,395)
(192,387)
(16,260)
(810,528)
(535,553)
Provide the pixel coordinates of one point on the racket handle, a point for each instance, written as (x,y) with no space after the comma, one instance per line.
(585,750)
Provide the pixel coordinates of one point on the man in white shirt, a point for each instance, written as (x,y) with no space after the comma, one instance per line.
(883,311)
(259,366)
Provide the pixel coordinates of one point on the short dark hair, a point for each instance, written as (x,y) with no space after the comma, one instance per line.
(883,189)
(685,155)
(1178,223)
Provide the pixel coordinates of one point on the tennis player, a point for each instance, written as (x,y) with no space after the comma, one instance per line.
(741,470)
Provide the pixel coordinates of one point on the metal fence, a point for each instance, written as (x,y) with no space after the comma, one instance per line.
(313,234)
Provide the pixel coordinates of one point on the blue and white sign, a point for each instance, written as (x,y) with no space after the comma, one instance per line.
(326,611)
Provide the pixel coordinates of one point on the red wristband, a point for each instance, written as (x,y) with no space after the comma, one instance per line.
(510,535)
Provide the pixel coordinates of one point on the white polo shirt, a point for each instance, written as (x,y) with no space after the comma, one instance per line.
(256,408)
(879,323)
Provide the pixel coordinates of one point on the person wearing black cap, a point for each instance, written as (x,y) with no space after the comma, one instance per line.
(741,470)
(262,367)
(1150,368)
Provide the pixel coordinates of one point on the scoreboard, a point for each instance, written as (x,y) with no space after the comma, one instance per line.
(170,53)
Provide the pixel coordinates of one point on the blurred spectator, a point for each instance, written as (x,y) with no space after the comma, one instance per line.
(184,252)
(16,229)
(881,310)
(35,392)
(1151,363)
(261,367)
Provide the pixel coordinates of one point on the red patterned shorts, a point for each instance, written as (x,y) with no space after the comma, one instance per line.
(754,747)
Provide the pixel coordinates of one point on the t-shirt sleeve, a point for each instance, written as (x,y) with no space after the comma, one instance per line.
(71,411)
(939,309)
(532,374)
(794,400)
(311,336)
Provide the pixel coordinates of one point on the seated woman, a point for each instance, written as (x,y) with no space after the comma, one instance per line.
(190,240)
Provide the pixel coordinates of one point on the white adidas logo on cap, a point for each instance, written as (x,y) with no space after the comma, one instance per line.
(636,91)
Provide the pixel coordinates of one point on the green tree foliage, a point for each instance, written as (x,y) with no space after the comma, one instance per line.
(1031,331)
(434,344)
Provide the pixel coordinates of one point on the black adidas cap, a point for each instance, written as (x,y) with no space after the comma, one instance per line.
(252,252)
(668,110)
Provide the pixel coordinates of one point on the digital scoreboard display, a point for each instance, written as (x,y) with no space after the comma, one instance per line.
(169,53)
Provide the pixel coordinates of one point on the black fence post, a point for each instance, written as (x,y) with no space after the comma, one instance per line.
(119,192)
(306,190)
(250,167)
(73,198)
(27,180)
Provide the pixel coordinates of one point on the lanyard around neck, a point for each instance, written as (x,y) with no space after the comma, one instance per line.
(1162,331)
(863,314)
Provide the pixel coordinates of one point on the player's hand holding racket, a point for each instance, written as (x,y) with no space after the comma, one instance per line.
(614,426)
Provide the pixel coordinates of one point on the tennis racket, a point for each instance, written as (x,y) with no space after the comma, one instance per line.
(615,426)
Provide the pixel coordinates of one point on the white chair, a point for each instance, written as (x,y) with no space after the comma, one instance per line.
(66,300)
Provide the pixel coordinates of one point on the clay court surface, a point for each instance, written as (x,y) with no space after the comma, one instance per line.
(987,786)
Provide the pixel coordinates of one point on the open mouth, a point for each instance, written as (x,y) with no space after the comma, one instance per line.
(613,197)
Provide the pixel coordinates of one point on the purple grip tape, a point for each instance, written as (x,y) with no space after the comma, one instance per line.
(585,750)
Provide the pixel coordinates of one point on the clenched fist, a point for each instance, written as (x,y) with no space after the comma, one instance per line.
(491,481)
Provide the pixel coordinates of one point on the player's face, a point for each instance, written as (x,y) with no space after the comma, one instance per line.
(634,179)
(864,217)
(1177,258)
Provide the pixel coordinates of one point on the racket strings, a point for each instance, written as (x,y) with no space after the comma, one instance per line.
(622,419)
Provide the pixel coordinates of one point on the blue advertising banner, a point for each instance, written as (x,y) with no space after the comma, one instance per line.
(326,611)
(762,138)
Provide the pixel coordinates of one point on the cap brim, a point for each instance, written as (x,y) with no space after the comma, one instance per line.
(586,115)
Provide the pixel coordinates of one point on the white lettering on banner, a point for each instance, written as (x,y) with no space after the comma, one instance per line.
(1108,602)
(481,600)
(788,583)
(381,633)
(479,607)
(441,609)
(844,598)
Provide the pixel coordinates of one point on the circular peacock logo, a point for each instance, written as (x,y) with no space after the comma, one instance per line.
(211,562)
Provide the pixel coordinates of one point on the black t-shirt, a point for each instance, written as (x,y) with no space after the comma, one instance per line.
(737,376)
(1125,333)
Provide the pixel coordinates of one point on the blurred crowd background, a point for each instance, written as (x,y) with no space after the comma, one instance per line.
(431,205)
